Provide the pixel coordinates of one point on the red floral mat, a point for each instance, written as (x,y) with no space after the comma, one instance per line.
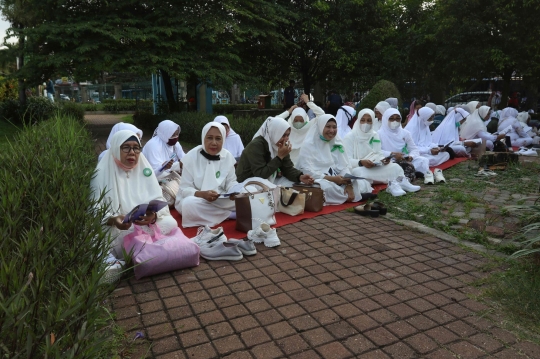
(284,219)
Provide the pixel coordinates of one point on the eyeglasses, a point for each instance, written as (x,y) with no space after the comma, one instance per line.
(127,149)
(394,119)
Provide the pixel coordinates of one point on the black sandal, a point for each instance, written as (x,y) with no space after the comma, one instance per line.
(379,206)
(366,210)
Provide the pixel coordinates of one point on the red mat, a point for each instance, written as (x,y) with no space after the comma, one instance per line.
(283,219)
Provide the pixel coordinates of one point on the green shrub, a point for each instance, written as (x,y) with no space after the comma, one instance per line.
(10,111)
(380,92)
(146,120)
(90,106)
(72,109)
(53,245)
(127,105)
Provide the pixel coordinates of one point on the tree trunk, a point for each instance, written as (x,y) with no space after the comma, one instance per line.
(507,77)
(307,80)
(22,90)
(167,85)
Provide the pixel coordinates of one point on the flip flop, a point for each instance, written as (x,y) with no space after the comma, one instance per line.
(366,210)
(379,206)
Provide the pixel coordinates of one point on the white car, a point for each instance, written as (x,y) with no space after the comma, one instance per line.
(64,97)
(466,97)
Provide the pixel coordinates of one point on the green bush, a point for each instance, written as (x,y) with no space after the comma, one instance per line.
(72,109)
(10,111)
(127,105)
(224,109)
(380,92)
(53,245)
(90,106)
(146,120)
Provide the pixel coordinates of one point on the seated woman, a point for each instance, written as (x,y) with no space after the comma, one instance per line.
(344,117)
(379,109)
(119,127)
(363,147)
(393,102)
(398,142)
(415,106)
(418,127)
(448,131)
(127,180)
(208,171)
(524,119)
(474,127)
(233,142)
(268,155)
(323,157)
(510,125)
(163,151)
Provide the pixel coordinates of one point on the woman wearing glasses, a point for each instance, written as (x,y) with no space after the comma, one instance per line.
(126,180)
(164,151)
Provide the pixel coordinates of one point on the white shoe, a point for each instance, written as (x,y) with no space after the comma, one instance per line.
(206,236)
(406,185)
(527,152)
(395,189)
(264,233)
(439,178)
(428,178)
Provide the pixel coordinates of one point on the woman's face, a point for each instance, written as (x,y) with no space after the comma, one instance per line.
(284,138)
(298,119)
(131,158)
(367,119)
(227,129)
(377,114)
(417,106)
(330,130)
(175,134)
(213,141)
(487,116)
(392,119)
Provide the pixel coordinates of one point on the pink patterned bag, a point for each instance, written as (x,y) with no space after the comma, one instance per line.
(159,253)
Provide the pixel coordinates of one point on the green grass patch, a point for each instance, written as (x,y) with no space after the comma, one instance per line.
(7,133)
(127,119)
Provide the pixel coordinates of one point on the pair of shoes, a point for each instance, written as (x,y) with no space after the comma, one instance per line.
(366,210)
(206,236)
(434,177)
(379,206)
(264,234)
(524,151)
(401,186)
(485,173)
(221,251)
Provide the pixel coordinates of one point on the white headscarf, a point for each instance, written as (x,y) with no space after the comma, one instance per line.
(123,192)
(157,150)
(471,106)
(392,101)
(319,156)
(209,175)
(523,117)
(441,110)
(233,142)
(392,139)
(358,144)
(474,123)
(298,136)
(343,120)
(272,130)
(119,127)
(419,127)
(508,118)
(448,130)
(381,107)
(432,106)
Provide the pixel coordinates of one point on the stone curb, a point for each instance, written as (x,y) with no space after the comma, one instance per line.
(445,236)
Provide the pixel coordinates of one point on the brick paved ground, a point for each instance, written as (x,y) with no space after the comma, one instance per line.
(339,286)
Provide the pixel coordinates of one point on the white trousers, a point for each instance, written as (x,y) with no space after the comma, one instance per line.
(335,194)
(197,211)
(381,174)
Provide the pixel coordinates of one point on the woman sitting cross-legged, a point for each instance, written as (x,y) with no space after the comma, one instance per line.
(163,150)
(323,157)
(268,155)
(448,132)
(233,142)
(474,126)
(363,146)
(119,127)
(208,171)
(127,180)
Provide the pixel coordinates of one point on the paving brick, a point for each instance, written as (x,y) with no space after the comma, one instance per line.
(235,311)
(530,349)
(326,316)
(280,330)
(401,329)
(317,336)
(334,350)
(358,344)
(466,350)
(421,322)
(211,317)
(308,354)
(255,337)
(383,316)
(380,336)
(293,344)
(239,355)
(303,323)
(439,316)
(421,343)
(376,354)
(400,350)
(248,295)
(385,299)
(486,343)
(461,328)
(178,354)
(244,323)
(204,351)
(269,317)
(402,310)
(267,351)
(165,345)
(203,307)
(363,323)
(457,310)
(440,354)
(219,330)
(160,331)
(503,335)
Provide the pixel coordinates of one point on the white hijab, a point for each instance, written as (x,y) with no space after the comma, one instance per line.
(123,192)
(474,123)
(471,106)
(209,175)
(392,139)
(441,110)
(298,135)
(359,144)
(419,127)
(343,120)
(392,101)
(119,127)
(233,142)
(319,156)
(508,118)
(448,130)
(432,106)
(157,150)
(381,107)
(522,117)
(272,130)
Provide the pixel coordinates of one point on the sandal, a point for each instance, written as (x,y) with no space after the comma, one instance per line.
(366,210)
(379,206)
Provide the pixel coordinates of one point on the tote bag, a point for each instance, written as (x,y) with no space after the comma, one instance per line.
(255,207)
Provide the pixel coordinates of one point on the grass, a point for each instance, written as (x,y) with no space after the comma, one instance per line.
(127,119)
(7,133)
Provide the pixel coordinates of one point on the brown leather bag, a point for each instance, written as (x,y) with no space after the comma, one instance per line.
(314,196)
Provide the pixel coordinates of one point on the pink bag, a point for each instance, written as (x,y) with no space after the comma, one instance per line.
(158,253)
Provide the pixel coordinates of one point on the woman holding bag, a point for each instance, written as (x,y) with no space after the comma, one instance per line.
(127,180)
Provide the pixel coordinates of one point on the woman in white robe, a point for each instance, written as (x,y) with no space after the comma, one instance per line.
(127,179)
(524,118)
(323,157)
(163,149)
(419,129)
(448,131)
(510,125)
(119,127)
(398,142)
(208,172)
(379,109)
(344,116)
(363,147)
(474,127)
(233,142)
(393,102)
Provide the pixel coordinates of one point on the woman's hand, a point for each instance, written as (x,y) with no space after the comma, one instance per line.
(291,109)
(398,156)
(385,161)
(367,163)
(284,149)
(435,151)
(117,222)
(349,191)
(210,196)
(148,218)
(307,179)
(169,164)
(304,98)
(339,180)
(501,136)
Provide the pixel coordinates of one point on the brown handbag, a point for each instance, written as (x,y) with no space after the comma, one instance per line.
(254,208)
(314,196)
